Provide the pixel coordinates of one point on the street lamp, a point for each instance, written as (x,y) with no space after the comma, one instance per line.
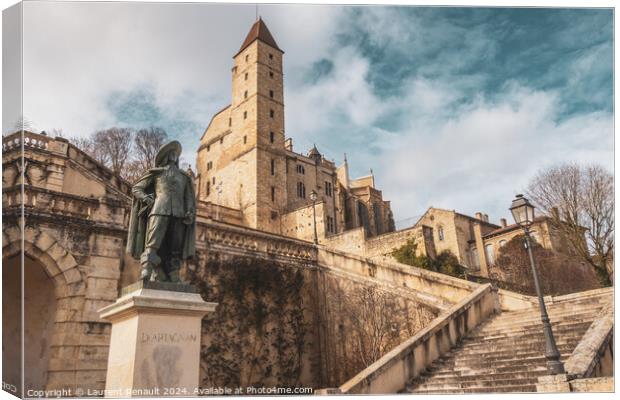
(523,213)
(313,197)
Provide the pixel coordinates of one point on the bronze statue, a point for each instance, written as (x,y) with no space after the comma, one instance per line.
(163,217)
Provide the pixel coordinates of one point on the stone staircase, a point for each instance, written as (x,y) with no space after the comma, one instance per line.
(506,352)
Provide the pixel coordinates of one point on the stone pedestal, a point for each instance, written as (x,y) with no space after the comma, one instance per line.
(155,340)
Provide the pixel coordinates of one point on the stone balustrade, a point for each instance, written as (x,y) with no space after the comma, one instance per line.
(14,141)
(59,205)
(392,372)
(238,240)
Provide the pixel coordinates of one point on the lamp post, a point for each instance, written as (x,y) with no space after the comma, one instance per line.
(313,197)
(523,212)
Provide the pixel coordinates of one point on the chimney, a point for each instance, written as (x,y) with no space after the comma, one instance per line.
(288,144)
(479,215)
(486,217)
(503,223)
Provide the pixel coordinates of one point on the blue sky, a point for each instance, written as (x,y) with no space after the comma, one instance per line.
(450,107)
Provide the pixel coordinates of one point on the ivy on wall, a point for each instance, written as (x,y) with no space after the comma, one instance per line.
(257,336)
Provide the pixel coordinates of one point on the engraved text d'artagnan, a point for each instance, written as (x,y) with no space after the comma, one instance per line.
(170,338)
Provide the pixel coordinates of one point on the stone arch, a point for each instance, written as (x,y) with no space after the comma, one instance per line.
(59,264)
(61,269)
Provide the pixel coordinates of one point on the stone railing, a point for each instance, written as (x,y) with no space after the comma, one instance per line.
(396,369)
(238,240)
(439,285)
(57,204)
(34,140)
(593,356)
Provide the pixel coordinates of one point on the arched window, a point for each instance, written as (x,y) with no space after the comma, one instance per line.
(490,254)
(301,190)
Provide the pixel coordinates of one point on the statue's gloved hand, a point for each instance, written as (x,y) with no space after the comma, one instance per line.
(189,217)
(148,200)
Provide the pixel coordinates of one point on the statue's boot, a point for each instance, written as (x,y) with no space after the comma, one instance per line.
(174,266)
(150,262)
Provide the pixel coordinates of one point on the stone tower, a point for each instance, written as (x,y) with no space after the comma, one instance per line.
(252,159)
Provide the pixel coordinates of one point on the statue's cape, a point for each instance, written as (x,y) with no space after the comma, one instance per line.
(139,216)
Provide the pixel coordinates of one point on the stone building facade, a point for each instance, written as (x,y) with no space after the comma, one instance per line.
(473,240)
(245,162)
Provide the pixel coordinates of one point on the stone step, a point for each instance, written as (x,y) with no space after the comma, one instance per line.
(553,313)
(504,355)
(533,373)
(498,389)
(517,359)
(519,342)
(578,326)
(484,352)
(535,320)
(521,366)
(487,383)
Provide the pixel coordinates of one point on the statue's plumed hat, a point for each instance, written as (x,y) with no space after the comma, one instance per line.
(162,154)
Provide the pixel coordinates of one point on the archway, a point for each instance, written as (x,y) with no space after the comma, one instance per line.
(39,317)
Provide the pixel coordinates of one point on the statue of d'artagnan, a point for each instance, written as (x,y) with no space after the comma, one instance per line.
(163,217)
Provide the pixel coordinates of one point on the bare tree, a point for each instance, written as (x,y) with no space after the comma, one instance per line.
(146,144)
(579,198)
(116,143)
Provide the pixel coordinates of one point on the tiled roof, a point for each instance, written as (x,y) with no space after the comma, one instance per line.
(260,32)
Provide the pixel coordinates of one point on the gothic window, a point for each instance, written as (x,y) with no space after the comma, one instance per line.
(271,136)
(301,190)
(330,224)
(271,113)
(273,166)
(271,94)
(328,188)
(440,233)
(300,169)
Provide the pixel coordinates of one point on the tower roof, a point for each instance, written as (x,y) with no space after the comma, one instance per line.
(259,31)
(314,152)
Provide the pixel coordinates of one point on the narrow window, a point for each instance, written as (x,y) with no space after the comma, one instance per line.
(246,76)
(271,113)
(328,188)
(245,114)
(273,166)
(208,188)
(229,121)
(270,56)
(272,136)
(271,94)
(208,147)
(245,94)
(490,253)
(213,180)
(273,193)
(247,57)
(209,165)
(301,190)
(245,139)
(440,233)
(271,74)
(221,140)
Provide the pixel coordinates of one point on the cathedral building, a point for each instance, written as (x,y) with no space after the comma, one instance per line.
(249,174)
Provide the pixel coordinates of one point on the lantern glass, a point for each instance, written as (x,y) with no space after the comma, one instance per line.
(522,211)
(313,196)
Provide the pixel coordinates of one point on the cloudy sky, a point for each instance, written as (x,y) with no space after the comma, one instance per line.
(450,107)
